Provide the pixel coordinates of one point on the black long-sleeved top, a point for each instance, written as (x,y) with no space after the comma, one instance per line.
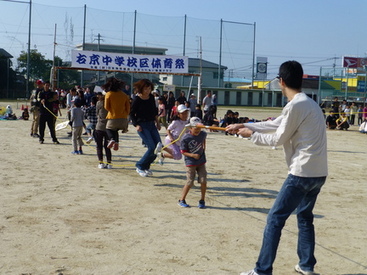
(143,110)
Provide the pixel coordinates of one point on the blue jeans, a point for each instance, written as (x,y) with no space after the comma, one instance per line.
(296,193)
(150,137)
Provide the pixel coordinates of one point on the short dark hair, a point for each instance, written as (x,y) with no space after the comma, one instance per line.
(94,100)
(292,74)
(78,103)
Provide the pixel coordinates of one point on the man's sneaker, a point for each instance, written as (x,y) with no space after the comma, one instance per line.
(56,142)
(108,166)
(116,146)
(101,166)
(75,152)
(36,135)
(148,172)
(80,152)
(201,204)
(110,144)
(299,270)
(252,272)
(89,140)
(158,148)
(182,203)
(41,141)
(142,173)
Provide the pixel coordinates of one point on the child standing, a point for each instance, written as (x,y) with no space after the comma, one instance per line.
(76,120)
(198,112)
(91,115)
(174,131)
(174,110)
(162,112)
(100,135)
(193,148)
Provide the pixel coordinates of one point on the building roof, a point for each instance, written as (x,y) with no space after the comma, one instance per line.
(5,54)
(195,62)
(237,80)
(307,83)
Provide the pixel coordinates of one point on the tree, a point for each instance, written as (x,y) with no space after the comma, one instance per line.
(66,79)
(39,67)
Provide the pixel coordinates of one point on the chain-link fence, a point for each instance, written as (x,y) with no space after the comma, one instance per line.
(227,43)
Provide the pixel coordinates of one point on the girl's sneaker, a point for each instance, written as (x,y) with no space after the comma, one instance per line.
(158,148)
(89,140)
(148,172)
(116,146)
(108,166)
(101,166)
(110,144)
(160,157)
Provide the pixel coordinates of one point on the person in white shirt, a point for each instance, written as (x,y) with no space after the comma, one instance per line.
(301,130)
(207,101)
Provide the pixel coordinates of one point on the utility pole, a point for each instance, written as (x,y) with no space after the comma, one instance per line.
(29,49)
(98,48)
(53,71)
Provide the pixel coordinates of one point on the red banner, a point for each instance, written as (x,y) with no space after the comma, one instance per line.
(354,62)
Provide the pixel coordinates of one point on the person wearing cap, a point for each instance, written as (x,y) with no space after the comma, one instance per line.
(193,147)
(175,132)
(302,132)
(35,108)
(144,117)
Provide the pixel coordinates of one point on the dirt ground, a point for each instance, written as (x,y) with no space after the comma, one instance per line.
(60,214)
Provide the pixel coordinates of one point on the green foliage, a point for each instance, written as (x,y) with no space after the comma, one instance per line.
(40,68)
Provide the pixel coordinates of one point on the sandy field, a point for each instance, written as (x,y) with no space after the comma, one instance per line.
(62,215)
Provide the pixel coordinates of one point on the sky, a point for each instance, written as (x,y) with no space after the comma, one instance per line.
(317,33)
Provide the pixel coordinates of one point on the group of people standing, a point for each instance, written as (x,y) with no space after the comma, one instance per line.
(343,114)
(45,108)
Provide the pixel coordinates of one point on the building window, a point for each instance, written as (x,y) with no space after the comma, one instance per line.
(215,75)
(165,78)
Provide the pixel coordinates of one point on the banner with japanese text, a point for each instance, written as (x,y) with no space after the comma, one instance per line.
(164,64)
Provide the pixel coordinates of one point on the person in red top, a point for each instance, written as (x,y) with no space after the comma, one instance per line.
(117,103)
(174,111)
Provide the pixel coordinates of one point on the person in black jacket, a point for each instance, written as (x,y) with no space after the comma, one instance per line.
(46,98)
